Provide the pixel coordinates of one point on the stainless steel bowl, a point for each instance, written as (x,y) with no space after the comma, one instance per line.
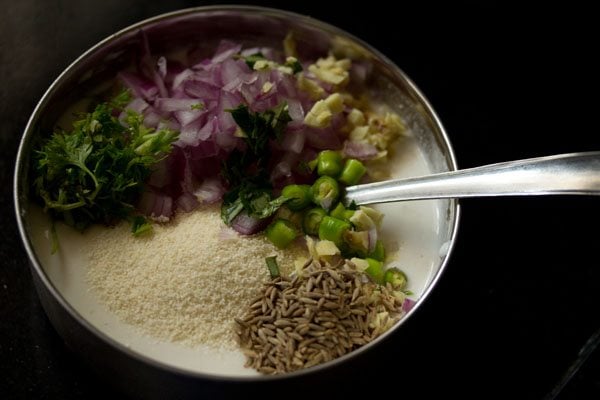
(130,370)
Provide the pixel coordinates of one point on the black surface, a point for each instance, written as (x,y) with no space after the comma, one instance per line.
(519,300)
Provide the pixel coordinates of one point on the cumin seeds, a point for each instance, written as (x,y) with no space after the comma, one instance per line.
(320,314)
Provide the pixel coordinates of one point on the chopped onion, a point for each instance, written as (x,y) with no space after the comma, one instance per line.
(152,118)
(209,128)
(187,202)
(282,169)
(295,110)
(293,142)
(166,211)
(139,86)
(359,150)
(137,105)
(247,225)
(201,90)
(189,134)
(204,149)
(225,50)
(234,72)
(323,139)
(359,72)
(168,124)
(267,52)
(187,117)
(150,69)
(156,205)
(210,191)
(170,104)
(160,176)
(181,77)
(174,68)
(162,67)
(408,304)
(227,234)
(372,239)
(195,100)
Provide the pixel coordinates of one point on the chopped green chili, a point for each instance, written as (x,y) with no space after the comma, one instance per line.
(299,196)
(329,163)
(396,277)
(325,192)
(272,266)
(375,270)
(378,252)
(338,211)
(312,219)
(352,173)
(281,233)
(333,229)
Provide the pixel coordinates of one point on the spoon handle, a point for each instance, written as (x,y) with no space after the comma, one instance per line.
(574,173)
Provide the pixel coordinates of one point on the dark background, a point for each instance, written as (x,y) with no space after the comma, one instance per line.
(516,312)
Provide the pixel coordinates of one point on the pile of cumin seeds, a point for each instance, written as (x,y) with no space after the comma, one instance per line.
(320,314)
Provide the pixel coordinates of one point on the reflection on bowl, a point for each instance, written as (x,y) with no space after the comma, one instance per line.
(146,362)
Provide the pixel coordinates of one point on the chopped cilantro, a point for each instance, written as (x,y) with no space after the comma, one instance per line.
(252,194)
(352,206)
(246,172)
(294,64)
(95,173)
(120,100)
(140,226)
(253,58)
(261,127)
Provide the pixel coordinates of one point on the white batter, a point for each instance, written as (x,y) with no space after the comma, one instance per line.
(416,226)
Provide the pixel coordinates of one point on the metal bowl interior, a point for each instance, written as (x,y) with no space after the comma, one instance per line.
(208,25)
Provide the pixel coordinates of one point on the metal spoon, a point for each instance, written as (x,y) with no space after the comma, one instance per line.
(574,173)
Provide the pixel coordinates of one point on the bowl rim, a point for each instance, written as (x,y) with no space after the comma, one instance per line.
(21,166)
